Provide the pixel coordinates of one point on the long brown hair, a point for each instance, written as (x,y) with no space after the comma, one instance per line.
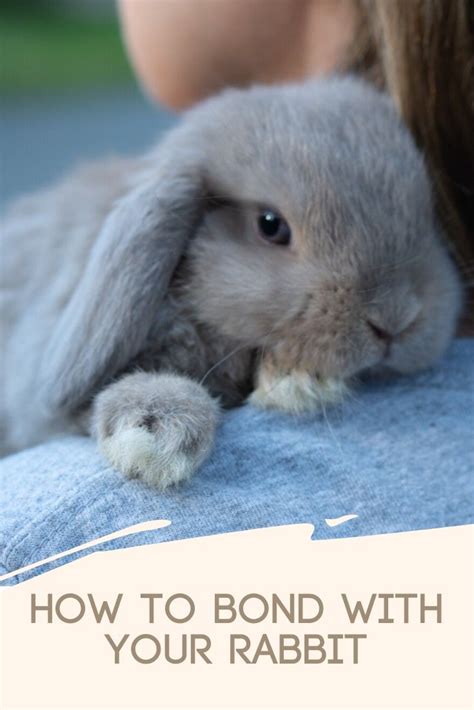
(422,51)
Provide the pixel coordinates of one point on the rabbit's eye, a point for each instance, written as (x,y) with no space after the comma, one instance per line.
(273,228)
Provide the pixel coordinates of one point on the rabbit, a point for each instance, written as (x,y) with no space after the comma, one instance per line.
(277,243)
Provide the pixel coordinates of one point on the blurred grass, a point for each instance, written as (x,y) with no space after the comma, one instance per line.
(44,49)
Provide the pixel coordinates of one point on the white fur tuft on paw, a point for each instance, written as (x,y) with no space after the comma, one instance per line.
(297,392)
(139,453)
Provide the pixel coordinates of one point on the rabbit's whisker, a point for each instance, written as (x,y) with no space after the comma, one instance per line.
(222,360)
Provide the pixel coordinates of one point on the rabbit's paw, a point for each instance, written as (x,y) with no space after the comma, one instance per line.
(296,392)
(158,428)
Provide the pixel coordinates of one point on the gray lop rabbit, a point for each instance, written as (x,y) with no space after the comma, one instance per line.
(278,242)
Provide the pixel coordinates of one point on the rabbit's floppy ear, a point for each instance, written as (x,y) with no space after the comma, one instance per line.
(107,320)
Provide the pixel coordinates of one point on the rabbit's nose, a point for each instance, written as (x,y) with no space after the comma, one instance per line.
(380,333)
(387,334)
(395,321)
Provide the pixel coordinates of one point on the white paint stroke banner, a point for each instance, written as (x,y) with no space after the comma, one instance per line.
(147,526)
(262,618)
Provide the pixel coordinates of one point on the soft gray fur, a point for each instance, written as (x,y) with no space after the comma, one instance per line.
(155,265)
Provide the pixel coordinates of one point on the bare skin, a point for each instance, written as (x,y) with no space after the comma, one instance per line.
(184,51)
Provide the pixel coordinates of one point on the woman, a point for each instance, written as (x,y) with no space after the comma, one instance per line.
(401,458)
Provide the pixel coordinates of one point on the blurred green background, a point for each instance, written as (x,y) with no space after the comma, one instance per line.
(68,94)
(49,45)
